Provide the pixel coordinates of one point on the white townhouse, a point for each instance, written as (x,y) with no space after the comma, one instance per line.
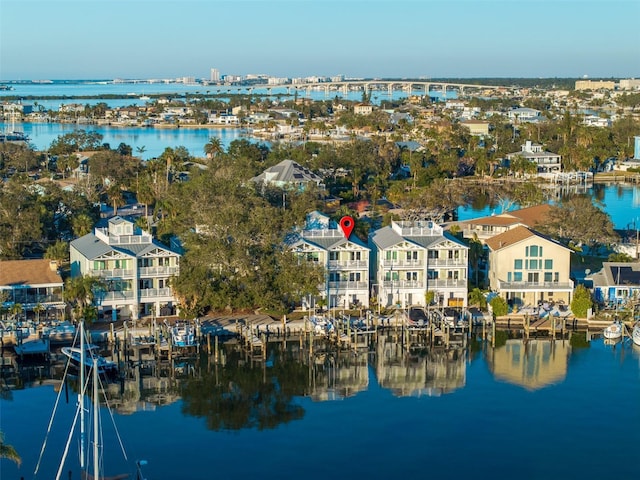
(548,163)
(346,261)
(410,259)
(524,115)
(135,268)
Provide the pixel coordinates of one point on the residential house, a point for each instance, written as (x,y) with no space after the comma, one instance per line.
(409,259)
(345,260)
(548,164)
(524,115)
(527,268)
(135,268)
(31,283)
(616,283)
(288,174)
(487,227)
(476,127)
(362,109)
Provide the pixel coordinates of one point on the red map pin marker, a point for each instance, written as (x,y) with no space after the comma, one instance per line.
(347,224)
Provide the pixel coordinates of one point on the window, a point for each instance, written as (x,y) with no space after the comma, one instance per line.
(517,264)
(354,276)
(533,277)
(433,254)
(533,251)
(533,264)
(517,276)
(98,265)
(508,276)
(334,277)
(312,256)
(391,276)
(391,255)
(412,276)
(412,256)
(548,276)
(432,274)
(548,264)
(556,277)
(355,256)
(334,256)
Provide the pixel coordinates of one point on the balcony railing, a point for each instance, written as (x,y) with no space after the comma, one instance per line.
(117,296)
(403,262)
(349,285)
(446,283)
(447,262)
(402,284)
(157,271)
(349,264)
(112,273)
(540,286)
(155,292)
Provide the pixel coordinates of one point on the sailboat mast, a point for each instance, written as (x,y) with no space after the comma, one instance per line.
(81,395)
(96,406)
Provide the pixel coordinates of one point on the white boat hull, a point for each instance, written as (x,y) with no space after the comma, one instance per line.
(635,335)
(613,331)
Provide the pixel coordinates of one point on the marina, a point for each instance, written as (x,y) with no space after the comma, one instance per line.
(392,384)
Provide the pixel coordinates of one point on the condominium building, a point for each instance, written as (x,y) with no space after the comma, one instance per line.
(410,259)
(135,268)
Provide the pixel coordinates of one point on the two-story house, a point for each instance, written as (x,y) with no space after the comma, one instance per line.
(526,268)
(486,227)
(548,163)
(410,259)
(34,284)
(345,260)
(135,268)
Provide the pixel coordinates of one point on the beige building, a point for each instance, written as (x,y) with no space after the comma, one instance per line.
(595,85)
(526,268)
(476,127)
(487,227)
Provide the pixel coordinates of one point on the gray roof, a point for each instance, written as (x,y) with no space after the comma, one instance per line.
(617,273)
(91,246)
(387,237)
(287,171)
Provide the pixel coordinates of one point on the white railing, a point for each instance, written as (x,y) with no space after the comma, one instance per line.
(112,273)
(447,262)
(363,264)
(543,286)
(157,271)
(155,292)
(400,284)
(446,283)
(349,285)
(415,263)
(113,296)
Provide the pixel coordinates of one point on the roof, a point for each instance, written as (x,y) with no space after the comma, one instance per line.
(530,216)
(509,238)
(90,246)
(516,235)
(28,272)
(618,273)
(287,171)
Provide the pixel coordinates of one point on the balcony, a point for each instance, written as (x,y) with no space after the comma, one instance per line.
(402,284)
(349,264)
(402,263)
(112,273)
(537,286)
(157,271)
(344,286)
(447,262)
(155,292)
(446,283)
(126,295)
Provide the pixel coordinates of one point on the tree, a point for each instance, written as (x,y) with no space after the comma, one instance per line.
(499,306)
(578,219)
(476,252)
(213,147)
(477,298)
(581,302)
(59,252)
(8,452)
(80,293)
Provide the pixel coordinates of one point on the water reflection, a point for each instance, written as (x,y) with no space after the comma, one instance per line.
(532,364)
(234,390)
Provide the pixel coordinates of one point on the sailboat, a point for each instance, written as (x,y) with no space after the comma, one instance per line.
(635,333)
(90,465)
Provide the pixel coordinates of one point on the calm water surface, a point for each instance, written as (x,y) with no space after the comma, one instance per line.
(537,411)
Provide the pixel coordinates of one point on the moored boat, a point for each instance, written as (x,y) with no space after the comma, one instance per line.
(39,346)
(76,356)
(613,331)
(635,334)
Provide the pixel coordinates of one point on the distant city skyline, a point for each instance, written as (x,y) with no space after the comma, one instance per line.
(84,39)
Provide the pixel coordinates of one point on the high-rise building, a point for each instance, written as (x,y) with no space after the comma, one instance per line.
(215,75)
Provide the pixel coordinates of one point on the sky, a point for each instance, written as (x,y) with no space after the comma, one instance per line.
(105,39)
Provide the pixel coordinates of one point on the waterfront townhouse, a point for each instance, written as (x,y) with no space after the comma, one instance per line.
(616,283)
(527,268)
(345,260)
(548,164)
(36,285)
(135,268)
(410,259)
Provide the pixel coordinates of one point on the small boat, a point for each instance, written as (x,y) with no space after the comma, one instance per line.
(635,334)
(90,354)
(33,347)
(183,335)
(613,331)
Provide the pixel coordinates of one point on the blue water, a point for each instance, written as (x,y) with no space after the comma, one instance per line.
(563,414)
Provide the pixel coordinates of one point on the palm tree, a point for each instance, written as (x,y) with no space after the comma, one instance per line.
(141,150)
(39,308)
(7,451)
(80,293)
(15,309)
(213,147)
(115,197)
